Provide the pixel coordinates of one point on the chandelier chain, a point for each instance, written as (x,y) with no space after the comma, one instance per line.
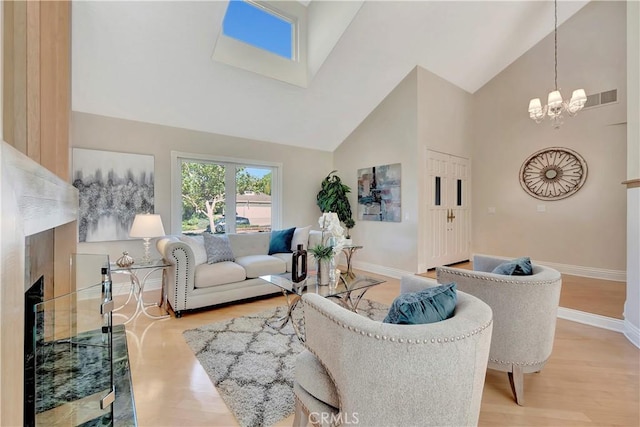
(555,42)
(556,106)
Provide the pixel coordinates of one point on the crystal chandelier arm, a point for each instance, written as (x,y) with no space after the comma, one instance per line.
(536,111)
(578,99)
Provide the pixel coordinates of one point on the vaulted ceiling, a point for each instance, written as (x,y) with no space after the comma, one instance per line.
(152,62)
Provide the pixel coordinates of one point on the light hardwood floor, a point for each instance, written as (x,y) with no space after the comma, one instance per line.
(592,378)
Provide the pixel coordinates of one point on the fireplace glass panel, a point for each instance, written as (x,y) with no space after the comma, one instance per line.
(73,349)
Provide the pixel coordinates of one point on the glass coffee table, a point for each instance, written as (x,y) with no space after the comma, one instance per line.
(349,290)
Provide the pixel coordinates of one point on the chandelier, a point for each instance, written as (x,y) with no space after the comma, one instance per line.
(555,105)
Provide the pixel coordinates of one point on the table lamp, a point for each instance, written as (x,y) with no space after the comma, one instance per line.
(147,226)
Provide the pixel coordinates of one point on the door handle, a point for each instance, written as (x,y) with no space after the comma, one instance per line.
(450,215)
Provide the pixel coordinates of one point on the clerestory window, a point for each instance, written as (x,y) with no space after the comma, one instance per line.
(265,37)
(259,26)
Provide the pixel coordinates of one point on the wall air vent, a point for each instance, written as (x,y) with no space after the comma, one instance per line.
(602,98)
(609,96)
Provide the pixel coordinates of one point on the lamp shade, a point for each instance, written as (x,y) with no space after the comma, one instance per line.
(555,99)
(535,105)
(147,225)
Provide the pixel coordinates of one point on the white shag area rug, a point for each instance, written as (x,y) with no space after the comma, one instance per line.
(252,363)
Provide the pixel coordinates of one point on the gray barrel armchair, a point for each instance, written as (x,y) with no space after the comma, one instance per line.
(524,308)
(360,371)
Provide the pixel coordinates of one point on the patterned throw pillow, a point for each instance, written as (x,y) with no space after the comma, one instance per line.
(218,248)
(429,305)
(517,267)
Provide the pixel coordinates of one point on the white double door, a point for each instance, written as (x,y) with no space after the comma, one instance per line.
(448,219)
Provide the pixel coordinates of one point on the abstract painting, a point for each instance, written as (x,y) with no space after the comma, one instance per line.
(113,188)
(379,193)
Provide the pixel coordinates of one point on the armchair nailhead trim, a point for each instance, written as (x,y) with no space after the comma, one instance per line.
(402,340)
(493,279)
(506,362)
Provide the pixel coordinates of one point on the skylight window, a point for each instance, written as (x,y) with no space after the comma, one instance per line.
(257,26)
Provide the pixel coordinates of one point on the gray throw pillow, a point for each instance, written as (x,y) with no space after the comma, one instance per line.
(426,306)
(218,248)
(517,267)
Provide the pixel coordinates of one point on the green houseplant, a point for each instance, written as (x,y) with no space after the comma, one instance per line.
(333,196)
(349,223)
(322,252)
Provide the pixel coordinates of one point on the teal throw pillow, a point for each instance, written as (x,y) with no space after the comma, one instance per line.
(281,241)
(218,248)
(426,306)
(516,267)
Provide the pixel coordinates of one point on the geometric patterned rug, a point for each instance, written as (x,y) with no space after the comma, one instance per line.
(252,363)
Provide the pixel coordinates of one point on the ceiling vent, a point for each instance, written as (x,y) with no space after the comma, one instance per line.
(602,98)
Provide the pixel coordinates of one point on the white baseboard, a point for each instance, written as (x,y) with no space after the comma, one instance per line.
(632,333)
(596,273)
(591,319)
(380,269)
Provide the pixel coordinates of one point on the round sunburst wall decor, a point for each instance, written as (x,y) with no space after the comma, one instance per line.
(553,173)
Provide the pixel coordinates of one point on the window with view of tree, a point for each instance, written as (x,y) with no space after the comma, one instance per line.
(209,189)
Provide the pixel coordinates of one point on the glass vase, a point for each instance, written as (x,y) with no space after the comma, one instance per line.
(332,270)
(323,272)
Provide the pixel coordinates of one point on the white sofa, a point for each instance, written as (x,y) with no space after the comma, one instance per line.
(192,283)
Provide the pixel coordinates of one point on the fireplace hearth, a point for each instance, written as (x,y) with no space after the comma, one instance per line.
(76,361)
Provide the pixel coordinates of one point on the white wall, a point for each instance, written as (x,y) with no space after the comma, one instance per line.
(388,135)
(632,304)
(587,229)
(423,111)
(444,125)
(303,169)
(444,115)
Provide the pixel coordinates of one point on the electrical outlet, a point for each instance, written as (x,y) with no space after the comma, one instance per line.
(542,208)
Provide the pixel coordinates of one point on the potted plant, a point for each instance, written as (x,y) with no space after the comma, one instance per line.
(333,197)
(349,223)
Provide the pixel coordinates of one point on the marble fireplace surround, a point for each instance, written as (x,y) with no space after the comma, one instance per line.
(32,200)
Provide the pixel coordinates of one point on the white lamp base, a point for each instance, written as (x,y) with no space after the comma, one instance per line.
(146,259)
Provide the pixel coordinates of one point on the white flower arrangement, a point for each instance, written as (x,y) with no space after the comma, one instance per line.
(329,223)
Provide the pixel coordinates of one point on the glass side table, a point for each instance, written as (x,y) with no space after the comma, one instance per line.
(137,286)
(348,251)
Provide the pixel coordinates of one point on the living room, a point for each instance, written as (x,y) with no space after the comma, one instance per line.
(418,111)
